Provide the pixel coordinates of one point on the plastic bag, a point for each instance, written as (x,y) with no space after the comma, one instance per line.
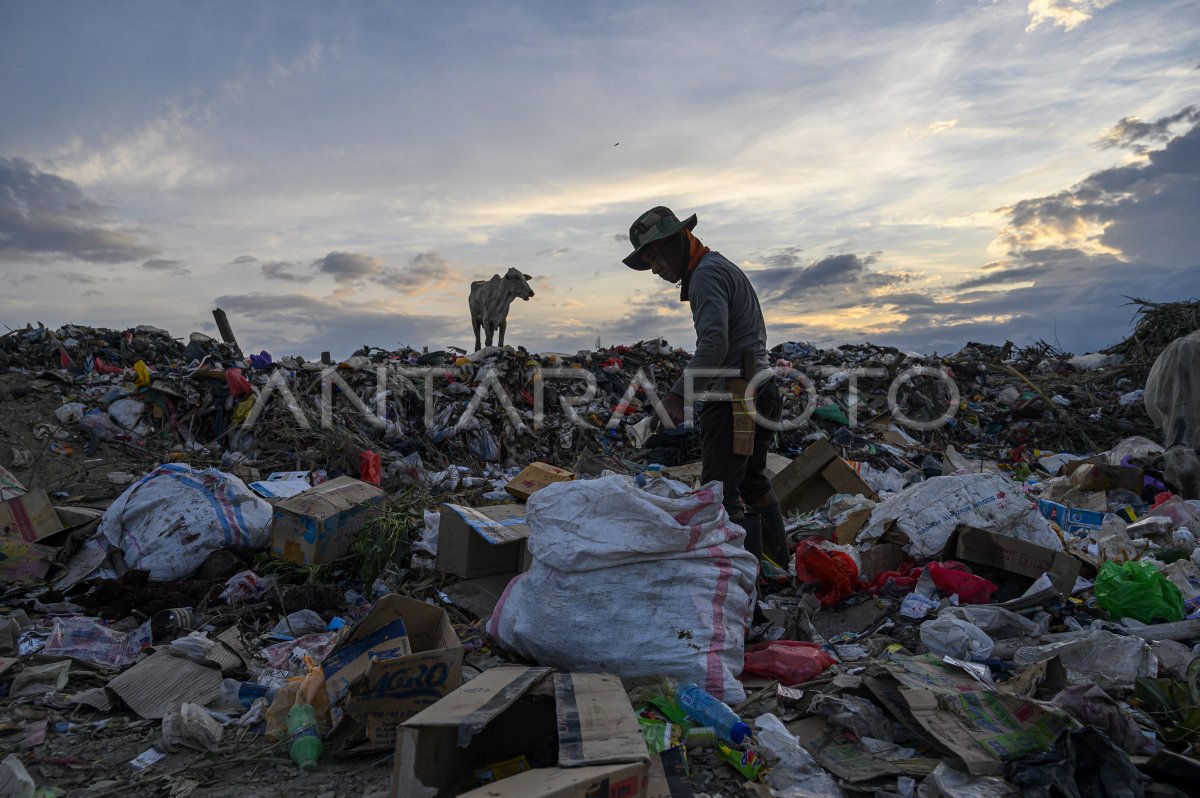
(370,467)
(92,641)
(1138,590)
(833,572)
(789,661)
(306,689)
(948,636)
(601,546)
(971,589)
(796,774)
(127,412)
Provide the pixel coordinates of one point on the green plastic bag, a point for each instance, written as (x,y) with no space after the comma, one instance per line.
(1138,590)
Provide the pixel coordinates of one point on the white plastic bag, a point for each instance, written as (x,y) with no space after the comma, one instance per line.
(629,582)
(947,636)
(171,519)
(928,512)
(127,412)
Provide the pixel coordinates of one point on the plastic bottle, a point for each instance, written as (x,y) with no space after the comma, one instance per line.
(236,693)
(710,711)
(306,747)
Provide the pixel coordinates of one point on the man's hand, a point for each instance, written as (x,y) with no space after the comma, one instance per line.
(672,404)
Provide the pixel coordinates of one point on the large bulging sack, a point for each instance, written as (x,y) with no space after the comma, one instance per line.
(633,582)
(171,519)
(926,513)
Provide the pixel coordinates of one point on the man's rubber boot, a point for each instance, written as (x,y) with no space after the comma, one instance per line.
(774,539)
(753,543)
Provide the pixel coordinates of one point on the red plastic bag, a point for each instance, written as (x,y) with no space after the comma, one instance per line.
(789,661)
(370,467)
(833,572)
(238,385)
(951,578)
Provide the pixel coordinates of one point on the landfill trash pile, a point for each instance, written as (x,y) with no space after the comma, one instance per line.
(229,574)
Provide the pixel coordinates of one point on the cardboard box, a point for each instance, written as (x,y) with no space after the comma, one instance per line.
(534,477)
(30,517)
(383,692)
(814,476)
(320,524)
(22,561)
(689,474)
(1016,556)
(1071,520)
(1092,475)
(511,710)
(482,541)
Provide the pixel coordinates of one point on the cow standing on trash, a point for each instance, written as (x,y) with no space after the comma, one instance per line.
(490,300)
(1172,402)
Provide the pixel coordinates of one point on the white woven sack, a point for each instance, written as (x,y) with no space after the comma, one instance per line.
(633,582)
(169,521)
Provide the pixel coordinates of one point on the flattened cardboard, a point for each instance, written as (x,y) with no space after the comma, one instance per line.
(385,691)
(534,477)
(600,748)
(481,541)
(1094,474)
(162,682)
(320,524)
(479,596)
(21,561)
(818,473)
(1015,555)
(980,727)
(30,517)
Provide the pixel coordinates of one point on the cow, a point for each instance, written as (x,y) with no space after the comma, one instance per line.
(490,300)
(1174,406)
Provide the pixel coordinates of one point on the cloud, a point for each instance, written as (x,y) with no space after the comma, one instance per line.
(76,278)
(282,270)
(1141,212)
(425,270)
(46,217)
(541,253)
(1067,14)
(1134,134)
(349,268)
(302,324)
(169,266)
(832,270)
(240,259)
(1001,276)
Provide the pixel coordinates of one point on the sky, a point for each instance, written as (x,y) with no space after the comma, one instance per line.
(334,174)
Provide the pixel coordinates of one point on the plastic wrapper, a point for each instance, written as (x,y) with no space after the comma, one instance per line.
(289,654)
(855,715)
(91,641)
(795,773)
(789,661)
(1138,590)
(1090,705)
(947,636)
(246,586)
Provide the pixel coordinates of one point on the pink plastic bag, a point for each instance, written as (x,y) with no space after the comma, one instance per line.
(789,661)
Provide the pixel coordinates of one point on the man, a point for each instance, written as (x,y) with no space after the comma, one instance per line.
(731,337)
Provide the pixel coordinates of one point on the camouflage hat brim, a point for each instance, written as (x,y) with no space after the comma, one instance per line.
(658,232)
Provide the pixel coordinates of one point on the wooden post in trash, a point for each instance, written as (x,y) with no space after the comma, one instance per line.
(226,331)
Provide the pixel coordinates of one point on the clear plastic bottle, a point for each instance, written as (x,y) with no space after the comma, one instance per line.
(710,711)
(306,746)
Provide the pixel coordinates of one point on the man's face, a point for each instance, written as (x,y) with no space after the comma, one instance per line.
(660,265)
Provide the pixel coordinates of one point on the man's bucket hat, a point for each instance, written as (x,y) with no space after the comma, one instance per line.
(653,225)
